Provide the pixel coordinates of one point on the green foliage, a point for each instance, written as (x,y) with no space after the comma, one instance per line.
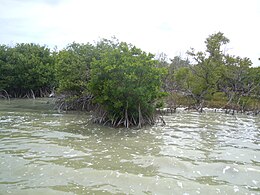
(213,72)
(183,78)
(73,68)
(235,76)
(214,43)
(5,68)
(118,81)
(123,84)
(169,82)
(126,83)
(254,78)
(74,62)
(200,80)
(26,68)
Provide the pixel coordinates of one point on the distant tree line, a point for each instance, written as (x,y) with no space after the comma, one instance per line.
(123,85)
(213,75)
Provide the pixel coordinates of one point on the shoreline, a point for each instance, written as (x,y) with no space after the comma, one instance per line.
(166,110)
(163,111)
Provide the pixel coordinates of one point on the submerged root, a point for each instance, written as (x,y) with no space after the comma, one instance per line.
(69,102)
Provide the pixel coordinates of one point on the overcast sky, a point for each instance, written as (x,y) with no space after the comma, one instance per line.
(169,26)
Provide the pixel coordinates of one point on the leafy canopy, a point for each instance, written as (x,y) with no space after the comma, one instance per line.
(125,81)
(25,68)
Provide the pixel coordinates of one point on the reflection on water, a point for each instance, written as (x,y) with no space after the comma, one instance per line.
(44,152)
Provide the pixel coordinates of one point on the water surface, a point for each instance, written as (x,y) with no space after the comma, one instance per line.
(46,152)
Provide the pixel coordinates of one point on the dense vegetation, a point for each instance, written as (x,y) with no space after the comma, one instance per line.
(122,85)
(117,81)
(26,70)
(214,76)
(125,83)
(73,75)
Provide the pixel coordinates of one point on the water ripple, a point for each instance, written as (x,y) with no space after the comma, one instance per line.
(44,152)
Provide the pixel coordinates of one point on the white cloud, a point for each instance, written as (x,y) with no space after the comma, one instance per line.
(170,26)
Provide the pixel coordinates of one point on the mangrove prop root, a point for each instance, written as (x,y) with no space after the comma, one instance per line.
(101,116)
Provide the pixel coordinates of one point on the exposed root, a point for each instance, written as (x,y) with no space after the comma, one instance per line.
(69,102)
(131,118)
(5,95)
(126,119)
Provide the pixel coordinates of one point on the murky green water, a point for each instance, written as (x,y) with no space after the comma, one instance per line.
(44,152)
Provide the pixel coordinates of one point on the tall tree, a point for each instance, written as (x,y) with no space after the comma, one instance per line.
(237,81)
(202,78)
(209,64)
